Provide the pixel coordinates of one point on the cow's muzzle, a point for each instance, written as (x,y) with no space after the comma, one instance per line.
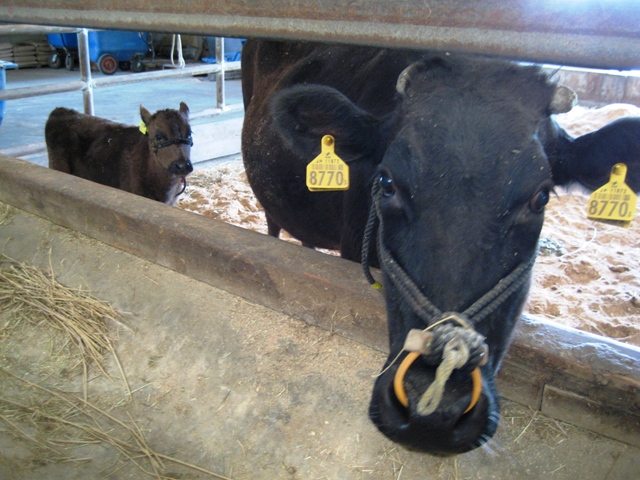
(447,397)
(450,429)
(181,167)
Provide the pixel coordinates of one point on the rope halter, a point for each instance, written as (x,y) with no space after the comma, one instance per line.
(449,340)
(168,143)
(183,181)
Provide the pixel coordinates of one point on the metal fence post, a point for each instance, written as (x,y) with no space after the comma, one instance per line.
(85,70)
(220,75)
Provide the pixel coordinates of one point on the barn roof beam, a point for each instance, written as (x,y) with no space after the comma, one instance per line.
(588,33)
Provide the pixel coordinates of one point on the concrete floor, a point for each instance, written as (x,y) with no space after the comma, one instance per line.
(244,391)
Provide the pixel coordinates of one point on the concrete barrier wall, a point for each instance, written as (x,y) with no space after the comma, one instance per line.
(570,375)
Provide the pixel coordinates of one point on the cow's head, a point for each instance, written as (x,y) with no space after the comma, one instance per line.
(170,138)
(462,176)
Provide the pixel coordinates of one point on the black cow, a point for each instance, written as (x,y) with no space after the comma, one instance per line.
(452,159)
(152,161)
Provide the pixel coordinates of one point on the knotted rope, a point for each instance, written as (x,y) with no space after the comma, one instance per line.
(449,346)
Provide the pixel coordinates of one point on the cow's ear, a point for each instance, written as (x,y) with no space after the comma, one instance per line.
(184,110)
(145,115)
(431,67)
(562,100)
(303,114)
(588,159)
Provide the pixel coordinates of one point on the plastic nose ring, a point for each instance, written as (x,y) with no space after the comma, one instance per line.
(401,394)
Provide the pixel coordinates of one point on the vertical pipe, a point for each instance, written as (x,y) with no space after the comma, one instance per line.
(85,71)
(220,74)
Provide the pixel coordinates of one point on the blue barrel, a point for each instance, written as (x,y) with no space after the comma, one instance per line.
(3,81)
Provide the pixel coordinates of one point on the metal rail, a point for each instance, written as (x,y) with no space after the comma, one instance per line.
(589,33)
(86,84)
(33,30)
(76,85)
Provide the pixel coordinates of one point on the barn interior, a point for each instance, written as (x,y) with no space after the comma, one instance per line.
(250,357)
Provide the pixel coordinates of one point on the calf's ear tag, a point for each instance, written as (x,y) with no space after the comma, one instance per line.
(614,202)
(143,127)
(327,172)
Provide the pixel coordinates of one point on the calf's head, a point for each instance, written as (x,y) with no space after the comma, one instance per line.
(170,138)
(461,179)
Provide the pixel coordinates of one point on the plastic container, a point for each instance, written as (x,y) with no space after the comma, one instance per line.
(3,81)
(66,50)
(108,49)
(63,40)
(232,49)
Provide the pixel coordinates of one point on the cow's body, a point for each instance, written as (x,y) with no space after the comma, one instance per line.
(462,154)
(316,219)
(121,156)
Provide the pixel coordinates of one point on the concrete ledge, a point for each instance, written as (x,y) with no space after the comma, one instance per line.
(554,369)
(301,282)
(548,367)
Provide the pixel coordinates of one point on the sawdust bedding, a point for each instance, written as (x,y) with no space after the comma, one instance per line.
(587,275)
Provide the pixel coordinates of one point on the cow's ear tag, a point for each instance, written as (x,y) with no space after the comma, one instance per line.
(327,172)
(614,202)
(143,127)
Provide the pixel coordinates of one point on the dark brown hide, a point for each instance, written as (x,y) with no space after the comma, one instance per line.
(121,156)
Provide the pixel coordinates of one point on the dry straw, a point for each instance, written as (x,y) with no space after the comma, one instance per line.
(93,424)
(53,420)
(28,294)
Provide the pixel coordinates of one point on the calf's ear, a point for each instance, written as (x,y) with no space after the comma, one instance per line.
(303,114)
(144,113)
(184,110)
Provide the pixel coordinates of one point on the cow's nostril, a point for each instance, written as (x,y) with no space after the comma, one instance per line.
(181,167)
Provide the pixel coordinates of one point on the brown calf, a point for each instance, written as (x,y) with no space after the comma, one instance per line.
(152,164)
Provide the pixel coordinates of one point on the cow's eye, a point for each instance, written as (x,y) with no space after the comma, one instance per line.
(159,137)
(386,184)
(539,200)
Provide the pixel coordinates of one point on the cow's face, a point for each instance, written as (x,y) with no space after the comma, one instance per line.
(459,190)
(461,195)
(170,138)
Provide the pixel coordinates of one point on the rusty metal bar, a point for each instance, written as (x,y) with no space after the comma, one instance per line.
(589,33)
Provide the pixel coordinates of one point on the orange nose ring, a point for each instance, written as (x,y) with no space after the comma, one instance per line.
(401,394)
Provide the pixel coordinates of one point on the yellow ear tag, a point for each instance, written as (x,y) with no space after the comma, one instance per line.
(143,127)
(614,202)
(327,172)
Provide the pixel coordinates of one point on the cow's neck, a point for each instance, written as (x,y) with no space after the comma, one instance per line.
(159,183)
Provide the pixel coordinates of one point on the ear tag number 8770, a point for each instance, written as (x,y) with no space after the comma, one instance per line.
(615,201)
(327,172)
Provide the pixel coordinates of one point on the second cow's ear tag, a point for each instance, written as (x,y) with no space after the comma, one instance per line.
(327,172)
(614,202)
